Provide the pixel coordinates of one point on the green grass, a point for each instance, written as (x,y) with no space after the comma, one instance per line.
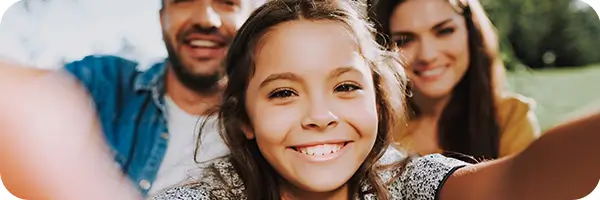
(560,93)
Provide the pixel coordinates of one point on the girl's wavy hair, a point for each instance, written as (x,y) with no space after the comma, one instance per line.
(260,180)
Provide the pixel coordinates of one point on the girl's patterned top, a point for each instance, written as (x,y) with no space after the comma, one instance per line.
(421,179)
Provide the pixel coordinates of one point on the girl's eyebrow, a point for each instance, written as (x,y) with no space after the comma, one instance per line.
(337,72)
(280,76)
(295,78)
(341,71)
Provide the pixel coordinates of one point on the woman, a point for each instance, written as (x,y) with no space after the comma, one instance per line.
(458,100)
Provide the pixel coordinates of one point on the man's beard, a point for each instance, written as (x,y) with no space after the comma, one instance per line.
(200,83)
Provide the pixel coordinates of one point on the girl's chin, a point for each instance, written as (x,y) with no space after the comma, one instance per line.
(318,191)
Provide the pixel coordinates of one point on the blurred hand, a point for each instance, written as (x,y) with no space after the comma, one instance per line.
(51,146)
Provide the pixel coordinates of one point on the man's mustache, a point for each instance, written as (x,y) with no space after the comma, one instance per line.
(197,29)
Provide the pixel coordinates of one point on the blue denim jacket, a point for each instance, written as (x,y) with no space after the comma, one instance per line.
(131,108)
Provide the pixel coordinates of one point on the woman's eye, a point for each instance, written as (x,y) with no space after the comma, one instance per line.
(446,31)
(347,87)
(282,93)
(403,40)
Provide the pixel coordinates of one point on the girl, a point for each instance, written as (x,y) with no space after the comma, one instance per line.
(308,111)
(459,104)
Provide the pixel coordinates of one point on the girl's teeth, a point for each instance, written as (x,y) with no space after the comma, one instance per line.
(322,150)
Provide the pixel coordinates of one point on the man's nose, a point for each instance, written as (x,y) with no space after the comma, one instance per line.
(206,17)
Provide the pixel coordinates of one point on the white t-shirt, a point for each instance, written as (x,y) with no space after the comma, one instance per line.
(178,164)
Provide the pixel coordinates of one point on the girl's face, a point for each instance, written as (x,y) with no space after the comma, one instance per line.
(311,104)
(434,39)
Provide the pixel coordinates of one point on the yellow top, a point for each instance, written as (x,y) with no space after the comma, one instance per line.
(516,118)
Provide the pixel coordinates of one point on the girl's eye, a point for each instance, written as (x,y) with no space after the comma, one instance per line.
(282,93)
(347,87)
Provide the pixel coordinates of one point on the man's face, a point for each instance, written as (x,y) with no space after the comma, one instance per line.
(197,33)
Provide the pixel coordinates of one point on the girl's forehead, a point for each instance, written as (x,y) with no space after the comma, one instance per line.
(310,46)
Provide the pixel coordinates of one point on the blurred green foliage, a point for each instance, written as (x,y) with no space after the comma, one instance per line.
(546,33)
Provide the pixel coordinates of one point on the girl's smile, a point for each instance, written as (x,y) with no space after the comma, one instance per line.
(322,152)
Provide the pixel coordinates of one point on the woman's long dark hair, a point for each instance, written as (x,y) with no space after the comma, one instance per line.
(260,180)
(468,124)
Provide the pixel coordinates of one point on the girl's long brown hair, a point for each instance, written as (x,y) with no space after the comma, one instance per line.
(260,180)
(468,124)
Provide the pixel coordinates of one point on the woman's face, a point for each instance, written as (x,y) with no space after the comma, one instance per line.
(433,38)
(311,104)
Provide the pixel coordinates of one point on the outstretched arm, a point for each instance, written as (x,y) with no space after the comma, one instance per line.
(51,146)
(562,164)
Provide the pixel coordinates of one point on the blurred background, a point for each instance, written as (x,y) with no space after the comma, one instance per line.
(550,47)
